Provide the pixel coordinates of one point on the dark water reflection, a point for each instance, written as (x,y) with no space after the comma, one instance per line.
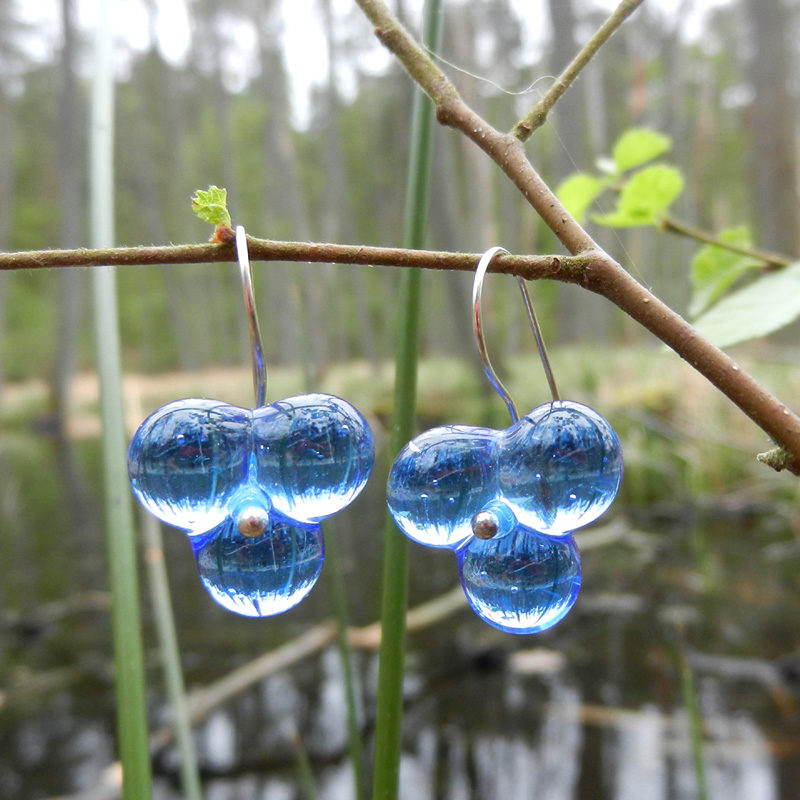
(592,709)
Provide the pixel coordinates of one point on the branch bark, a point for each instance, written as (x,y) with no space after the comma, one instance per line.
(537,116)
(603,274)
(566,268)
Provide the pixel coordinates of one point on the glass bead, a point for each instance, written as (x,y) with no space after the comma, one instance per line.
(440,480)
(560,468)
(262,576)
(313,455)
(522,582)
(187,459)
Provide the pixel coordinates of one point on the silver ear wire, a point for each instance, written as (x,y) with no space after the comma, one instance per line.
(477,324)
(257,349)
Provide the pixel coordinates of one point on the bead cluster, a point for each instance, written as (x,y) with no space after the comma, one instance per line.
(250,487)
(507,502)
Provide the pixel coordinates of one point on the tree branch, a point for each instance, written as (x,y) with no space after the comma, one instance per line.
(565,268)
(602,275)
(537,116)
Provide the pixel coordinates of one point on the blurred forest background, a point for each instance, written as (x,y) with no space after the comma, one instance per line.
(716,77)
(293,106)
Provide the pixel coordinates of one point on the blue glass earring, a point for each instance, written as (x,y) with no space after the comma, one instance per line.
(250,486)
(507,501)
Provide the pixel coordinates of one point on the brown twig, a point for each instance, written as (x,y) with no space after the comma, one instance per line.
(672,225)
(603,274)
(537,116)
(566,268)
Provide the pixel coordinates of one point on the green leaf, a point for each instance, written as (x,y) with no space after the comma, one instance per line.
(645,197)
(637,146)
(211,205)
(715,269)
(763,307)
(578,192)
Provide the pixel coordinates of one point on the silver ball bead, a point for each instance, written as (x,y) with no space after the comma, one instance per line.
(252,522)
(485,525)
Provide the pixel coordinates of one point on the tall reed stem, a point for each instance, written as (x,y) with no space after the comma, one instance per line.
(389,720)
(125,619)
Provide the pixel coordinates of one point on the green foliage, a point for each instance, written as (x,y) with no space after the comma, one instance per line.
(644,195)
(715,269)
(761,308)
(578,192)
(645,198)
(211,205)
(637,146)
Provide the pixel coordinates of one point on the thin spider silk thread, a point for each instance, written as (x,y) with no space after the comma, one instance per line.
(528,90)
(633,267)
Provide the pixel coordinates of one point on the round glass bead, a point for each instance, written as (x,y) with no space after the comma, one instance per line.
(187,459)
(313,455)
(440,480)
(560,468)
(261,576)
(520,582)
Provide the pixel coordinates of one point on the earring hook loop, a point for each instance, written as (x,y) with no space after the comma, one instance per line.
(477,324)
(256,347)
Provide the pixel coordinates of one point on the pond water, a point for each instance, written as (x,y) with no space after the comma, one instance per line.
(592,709)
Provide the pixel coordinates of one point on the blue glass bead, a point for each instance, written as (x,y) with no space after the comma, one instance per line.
(522,582)
(261,576)
(313,455)
(561,467)
(187,459)
(440,480)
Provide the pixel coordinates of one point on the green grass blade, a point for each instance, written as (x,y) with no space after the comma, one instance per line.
(170,656)
(305,772)
(388,727)
(125,618)
(692,706)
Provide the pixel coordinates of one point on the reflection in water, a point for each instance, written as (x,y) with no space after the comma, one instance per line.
(591,711)
(544,766)
(640,768)
(540,759)
(328,734)
(654,761)
(216,746)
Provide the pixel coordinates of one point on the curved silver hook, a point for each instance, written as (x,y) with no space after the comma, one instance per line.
(257,349)
(477,324)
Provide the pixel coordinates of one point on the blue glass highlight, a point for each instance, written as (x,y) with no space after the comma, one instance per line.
(225,474)
(314,454)
(523,582)
(187,459)
(561,467)
(263,576)
(440,480)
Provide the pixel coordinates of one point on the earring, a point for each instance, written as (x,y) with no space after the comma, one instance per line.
(507,501)
(250,487)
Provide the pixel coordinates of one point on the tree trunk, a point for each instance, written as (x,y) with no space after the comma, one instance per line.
(771,123)
(71,285)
